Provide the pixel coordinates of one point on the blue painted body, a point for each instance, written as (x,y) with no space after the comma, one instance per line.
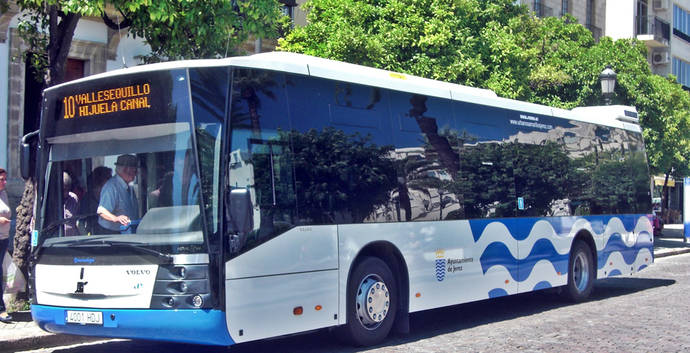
(189,326)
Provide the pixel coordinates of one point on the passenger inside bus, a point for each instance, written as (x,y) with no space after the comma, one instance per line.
(70,205)
(118,204)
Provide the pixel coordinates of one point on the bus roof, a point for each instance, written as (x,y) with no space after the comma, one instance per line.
(624,117)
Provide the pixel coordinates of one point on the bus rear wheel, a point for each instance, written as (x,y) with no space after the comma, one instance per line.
(371,303)
(581,273)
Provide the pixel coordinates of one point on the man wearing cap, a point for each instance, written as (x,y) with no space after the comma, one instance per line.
(118,203)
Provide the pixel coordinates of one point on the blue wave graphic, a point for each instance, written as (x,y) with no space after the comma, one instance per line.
(520,228)
(498,254)
(498,292)
(615,273)
(616,244)
(542,285)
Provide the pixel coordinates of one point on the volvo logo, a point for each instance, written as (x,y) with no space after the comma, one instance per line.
(138,272)
(81,284)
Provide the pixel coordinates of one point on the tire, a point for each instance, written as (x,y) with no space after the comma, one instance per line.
(372,301)
(581,273)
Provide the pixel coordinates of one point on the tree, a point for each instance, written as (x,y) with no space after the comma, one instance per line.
(174,29)
(497,45)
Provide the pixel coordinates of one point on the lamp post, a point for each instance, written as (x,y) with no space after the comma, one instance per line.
(608,83)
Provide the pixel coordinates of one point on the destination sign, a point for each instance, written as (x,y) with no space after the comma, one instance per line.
(97,103)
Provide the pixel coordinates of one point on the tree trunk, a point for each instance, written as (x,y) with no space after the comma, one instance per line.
(22,234)
(61,28)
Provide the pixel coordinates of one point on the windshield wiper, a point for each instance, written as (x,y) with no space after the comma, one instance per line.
(168,259)
(103,241)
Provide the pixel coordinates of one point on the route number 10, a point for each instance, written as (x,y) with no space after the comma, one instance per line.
(70,107)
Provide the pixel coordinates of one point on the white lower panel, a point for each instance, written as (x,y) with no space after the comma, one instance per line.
(125,286)
(262,307)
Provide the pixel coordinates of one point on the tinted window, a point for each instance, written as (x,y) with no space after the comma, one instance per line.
(486,162)
(342,151)
(209,99)
(541,165)
(260,156)
(426,154)
(620,182)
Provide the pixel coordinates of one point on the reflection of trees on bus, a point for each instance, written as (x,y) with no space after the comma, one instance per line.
(247,92)
(617,184)
(337,177)
(493,176)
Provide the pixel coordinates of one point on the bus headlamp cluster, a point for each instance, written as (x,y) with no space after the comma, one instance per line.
(181,287)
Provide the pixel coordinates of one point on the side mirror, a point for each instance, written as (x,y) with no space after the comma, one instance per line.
(27,156)
(240,211)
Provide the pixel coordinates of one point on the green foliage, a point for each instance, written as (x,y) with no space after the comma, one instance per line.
(182,29)
(497,45)
(174,29)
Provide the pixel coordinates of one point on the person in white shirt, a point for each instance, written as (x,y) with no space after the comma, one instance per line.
(5,216)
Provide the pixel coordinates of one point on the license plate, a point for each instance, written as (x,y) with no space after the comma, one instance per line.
(84,317)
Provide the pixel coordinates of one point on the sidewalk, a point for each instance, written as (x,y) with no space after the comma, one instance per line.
(23,334)
(671,242)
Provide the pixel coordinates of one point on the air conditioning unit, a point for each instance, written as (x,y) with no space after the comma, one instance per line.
(661,57)
(660,4)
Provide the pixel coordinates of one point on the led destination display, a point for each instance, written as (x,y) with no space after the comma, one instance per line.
(107,101)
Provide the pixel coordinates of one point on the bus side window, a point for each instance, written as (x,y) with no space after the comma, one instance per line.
(260,160)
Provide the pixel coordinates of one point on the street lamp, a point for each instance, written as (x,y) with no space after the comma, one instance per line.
(608,83)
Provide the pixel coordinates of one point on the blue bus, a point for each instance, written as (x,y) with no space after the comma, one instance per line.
(280,193)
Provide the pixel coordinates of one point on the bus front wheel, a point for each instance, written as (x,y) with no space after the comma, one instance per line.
(371,302)
(581,273)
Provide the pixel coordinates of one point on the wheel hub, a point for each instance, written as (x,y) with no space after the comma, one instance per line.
(373,301)
(581,272)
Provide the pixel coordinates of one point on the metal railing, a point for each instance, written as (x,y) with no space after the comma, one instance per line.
(646,25)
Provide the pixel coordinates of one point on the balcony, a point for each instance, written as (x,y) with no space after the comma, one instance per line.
(654,32)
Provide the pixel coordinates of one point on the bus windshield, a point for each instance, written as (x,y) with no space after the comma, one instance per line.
(161,197)
(124,163)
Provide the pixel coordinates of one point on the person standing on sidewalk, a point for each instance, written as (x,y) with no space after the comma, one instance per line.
(5,215)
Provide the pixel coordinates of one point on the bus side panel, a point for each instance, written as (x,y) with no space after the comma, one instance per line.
(544,253)
(265,285)
(301,249)
(626,247)
(455,262)
(446,265)
(265,307)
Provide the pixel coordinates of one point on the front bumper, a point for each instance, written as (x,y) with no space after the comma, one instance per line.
(189,326)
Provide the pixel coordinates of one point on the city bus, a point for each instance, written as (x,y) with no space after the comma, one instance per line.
(280,193)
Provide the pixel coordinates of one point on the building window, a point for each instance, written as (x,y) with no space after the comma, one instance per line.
(681,23)
(681,69)
(74,69)
(565,7)
(589,19)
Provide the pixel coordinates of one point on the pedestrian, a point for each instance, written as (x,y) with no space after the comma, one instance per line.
(118,202)
(5,216)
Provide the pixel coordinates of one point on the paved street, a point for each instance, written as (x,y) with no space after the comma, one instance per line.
(646,312)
